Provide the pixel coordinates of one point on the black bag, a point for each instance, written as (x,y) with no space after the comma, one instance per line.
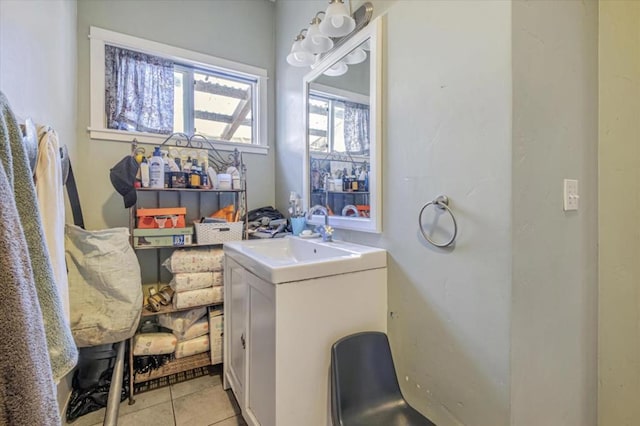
(268,212)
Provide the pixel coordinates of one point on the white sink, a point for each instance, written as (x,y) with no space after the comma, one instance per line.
(293,259)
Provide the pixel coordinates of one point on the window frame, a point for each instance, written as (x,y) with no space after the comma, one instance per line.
(97,129)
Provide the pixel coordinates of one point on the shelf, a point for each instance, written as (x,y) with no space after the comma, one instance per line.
(187,190)
(170,309)
(175,247)
(175,366)
(344,192)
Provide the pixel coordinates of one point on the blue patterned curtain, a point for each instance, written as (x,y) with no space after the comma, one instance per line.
(356,128)
(138,91)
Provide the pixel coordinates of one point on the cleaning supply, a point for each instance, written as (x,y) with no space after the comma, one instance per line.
(156,170)
(144,173)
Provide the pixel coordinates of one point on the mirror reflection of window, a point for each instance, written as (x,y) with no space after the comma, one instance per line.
(318,124)
(337,125)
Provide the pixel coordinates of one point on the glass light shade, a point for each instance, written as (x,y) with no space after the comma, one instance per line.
(337,22)
(355,57)
(315,41)
(337,70)
(299,57)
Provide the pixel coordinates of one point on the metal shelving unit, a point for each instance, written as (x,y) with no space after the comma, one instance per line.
(203,201)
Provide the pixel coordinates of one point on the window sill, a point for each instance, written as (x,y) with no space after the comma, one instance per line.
(154,139)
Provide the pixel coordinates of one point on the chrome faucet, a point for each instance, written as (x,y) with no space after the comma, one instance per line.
(321,209)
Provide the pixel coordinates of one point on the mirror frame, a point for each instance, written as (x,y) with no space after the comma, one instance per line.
(372,31)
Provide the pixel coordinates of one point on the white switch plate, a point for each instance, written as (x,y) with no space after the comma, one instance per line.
(571,196)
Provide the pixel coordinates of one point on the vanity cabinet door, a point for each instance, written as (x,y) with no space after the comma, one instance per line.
(261,352)
(236,298)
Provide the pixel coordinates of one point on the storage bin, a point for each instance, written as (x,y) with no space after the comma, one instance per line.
(161,218)
(218,233)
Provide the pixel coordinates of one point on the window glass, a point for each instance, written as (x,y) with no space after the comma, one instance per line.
(178,101)
(223,106)
(318,124)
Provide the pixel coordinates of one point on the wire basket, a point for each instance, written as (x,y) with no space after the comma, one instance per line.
(218,233)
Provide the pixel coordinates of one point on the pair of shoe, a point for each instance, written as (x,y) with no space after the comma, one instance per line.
(157,299)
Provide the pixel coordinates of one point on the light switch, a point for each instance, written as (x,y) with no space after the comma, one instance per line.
(571,196)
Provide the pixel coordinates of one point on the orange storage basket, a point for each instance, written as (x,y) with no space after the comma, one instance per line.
(161,218)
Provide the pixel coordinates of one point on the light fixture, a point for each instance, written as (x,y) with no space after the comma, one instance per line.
(315,41)
(337,20)
(336,70)
(325,35)
(357,56)
(299,57)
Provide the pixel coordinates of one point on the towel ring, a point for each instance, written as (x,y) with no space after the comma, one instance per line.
(441,202)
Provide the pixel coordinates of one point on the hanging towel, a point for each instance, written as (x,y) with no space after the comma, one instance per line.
(50,191)
(62,350)
(27,390)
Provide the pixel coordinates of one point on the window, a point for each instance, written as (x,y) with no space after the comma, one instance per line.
(338,125)
(148,90)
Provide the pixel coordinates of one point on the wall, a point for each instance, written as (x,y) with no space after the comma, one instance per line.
(38,62)
(38,72)
(240,30)
(446,131)
(554,296)
(619,203)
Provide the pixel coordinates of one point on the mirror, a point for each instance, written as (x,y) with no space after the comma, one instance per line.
(342,165)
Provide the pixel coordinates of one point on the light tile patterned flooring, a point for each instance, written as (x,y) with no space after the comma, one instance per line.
(197,402)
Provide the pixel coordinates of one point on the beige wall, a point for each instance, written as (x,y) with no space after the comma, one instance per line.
(554,290)
(619,207)
(239,30)
(38,72)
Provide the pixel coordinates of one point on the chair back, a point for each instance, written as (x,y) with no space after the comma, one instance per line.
(362,375)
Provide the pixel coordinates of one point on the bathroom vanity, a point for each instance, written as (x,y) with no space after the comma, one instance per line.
(286,302)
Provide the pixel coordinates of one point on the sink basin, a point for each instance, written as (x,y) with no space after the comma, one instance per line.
(294,259)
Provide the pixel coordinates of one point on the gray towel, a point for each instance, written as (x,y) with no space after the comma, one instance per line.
(27,391)
(62,350)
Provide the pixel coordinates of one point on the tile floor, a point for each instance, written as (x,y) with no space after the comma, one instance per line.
(197,402)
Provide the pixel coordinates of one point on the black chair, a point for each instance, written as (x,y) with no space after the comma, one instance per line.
(364,387)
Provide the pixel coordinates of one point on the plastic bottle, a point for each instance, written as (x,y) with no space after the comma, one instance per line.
(187,165)
(144,173)
(345,180)
(194,177)
(156,170)
(167,169)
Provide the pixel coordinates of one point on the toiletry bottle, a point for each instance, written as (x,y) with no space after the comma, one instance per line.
(156,170)
(204,178)
(194,177)
(345,180)
(144,172)
(167,169)
(187,165)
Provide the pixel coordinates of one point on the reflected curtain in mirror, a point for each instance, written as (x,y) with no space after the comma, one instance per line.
(356,128)
(138,91)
